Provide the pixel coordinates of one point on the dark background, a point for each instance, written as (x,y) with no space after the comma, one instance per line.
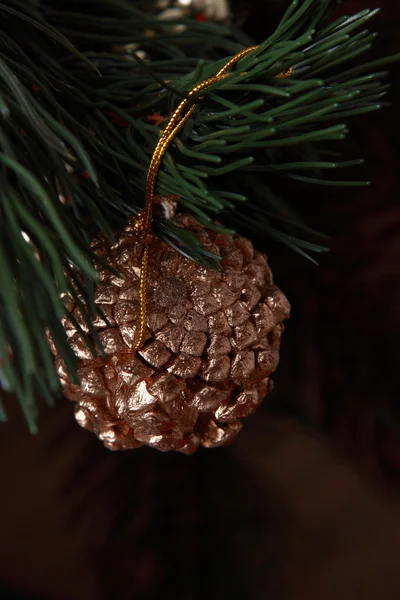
(305,503)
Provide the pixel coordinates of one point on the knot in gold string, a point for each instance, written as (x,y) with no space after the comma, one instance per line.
(144,220)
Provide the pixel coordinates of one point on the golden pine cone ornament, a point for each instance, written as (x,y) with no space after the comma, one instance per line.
(212,344)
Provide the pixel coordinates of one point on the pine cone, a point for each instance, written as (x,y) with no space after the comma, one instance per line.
(212,343)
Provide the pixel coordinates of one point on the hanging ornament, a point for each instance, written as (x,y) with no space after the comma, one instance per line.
(211,344)
(190,350)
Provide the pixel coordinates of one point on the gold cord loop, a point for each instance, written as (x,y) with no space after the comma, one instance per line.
(143,225)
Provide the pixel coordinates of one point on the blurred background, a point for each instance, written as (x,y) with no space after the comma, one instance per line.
(305,503)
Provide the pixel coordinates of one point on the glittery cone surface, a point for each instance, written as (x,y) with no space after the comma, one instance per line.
(212,343)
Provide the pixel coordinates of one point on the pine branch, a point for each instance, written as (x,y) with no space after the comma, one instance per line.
(76,137)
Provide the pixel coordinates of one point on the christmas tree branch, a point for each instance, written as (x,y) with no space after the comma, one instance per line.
(85,89)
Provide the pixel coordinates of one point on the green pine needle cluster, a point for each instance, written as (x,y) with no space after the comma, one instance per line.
(76,94)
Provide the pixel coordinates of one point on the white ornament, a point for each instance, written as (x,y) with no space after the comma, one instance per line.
(214,10)
(172,14)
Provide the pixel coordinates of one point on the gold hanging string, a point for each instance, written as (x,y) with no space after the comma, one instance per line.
(144,221)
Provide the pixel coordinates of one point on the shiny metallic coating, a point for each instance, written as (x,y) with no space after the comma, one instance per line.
(211,344)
